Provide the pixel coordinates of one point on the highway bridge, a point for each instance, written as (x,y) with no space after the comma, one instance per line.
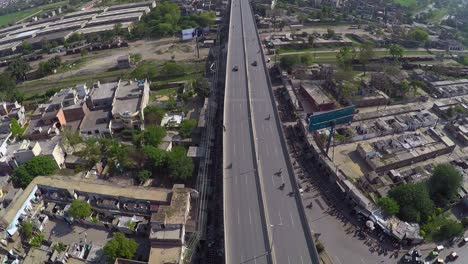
(264,219)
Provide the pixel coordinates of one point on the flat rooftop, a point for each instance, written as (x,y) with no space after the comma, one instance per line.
(116,18)
(85,12)
(50,36)
(96,120)
(73,184)
(101,28)
(128,97)
(124,11)
(9,46)
(315,92)
(163,254)
(103,91)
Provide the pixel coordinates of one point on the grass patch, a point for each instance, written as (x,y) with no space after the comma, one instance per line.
(165,92)
(406,3)
(17,16)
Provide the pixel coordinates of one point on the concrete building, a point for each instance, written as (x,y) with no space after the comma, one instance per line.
(316,97)
(404,150)
(123,62)
(445,89)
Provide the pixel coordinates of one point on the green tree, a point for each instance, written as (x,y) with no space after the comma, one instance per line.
(366,53)
(311,40)
(18,69)
(287,62)
(180,166)
(414,201)
(16,129)
(36,241)
(153,135)
(26,47)
(418,34)
(404,87)
(27,229)
(345,58)
(444,184)
(120,247)
(79,209)
(330,33)
(153,115)
(449,230)
(70,138)
(41,165)
(186,127)
(143,176)
(202,87)
(157,158)
(396,51)
(307,59)
(451,112)
(389,205)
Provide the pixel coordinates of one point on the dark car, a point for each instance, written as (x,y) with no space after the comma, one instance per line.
(236,68)
(254,63)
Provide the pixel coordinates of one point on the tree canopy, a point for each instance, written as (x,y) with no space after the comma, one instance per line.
(27,229)
(449,230)
(153,135)
(396,51)
(202,87)
(444,183)
(37,166)
(166,20)
(157,158)
(154,115)
(413,199)
(345,58)
(142,176)
(186,127)
(180,166)
(366,52)
(18,69)
(389,205)
(120,247)
(418,34)
(79,209)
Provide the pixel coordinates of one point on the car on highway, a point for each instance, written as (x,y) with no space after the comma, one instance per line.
(254,63)
(236,68)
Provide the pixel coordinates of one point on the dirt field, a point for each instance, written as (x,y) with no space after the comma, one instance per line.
(101,61)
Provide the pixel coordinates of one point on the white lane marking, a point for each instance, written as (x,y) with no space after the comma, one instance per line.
(302,260)
(243,149)
(292,219)
(238,216)
(273,182)
(289,261)
(337,259)
(276,151)
(246,179)
(234,148)
(280,219)
(250,217)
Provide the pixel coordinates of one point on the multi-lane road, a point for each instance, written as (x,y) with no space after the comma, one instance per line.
(264,221)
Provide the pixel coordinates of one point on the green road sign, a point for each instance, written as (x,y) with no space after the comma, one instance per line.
(326,119)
